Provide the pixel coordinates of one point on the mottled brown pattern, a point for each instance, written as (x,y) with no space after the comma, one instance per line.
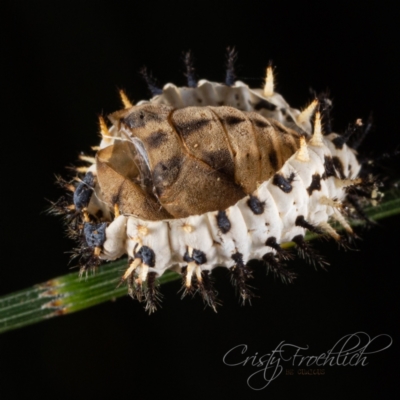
(194,159)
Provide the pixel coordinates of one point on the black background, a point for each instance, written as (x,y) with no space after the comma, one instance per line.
(64,63)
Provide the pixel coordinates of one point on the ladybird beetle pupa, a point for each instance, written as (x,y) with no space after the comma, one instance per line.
(212,175)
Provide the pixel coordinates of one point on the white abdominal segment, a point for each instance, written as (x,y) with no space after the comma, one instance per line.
(249,231)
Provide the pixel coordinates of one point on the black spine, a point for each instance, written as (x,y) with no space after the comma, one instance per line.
(150,81)
(190,71)
(231,57)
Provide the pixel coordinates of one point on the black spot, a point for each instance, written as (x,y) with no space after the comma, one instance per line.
(264,104)
(220,160)
(139,118)
(337,163)
(300,221)
(299,240)
(115,198)
(283,111)
(271,242)
(256,205)
(197,256)
(259,123)
(132,121)
(99,214)
(220,103)
(282,183)
(315,184)
(199,100)
(238,258)
(83,192)
(146,254)
(156,139)
(165,173)
(223,222)
(236,96)
(273,159)
(234,120)
(329,168)
(187,128)
(338,142)
(95,234)
(282,254)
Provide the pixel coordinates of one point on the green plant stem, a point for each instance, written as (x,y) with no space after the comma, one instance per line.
(65,295)
(70,293)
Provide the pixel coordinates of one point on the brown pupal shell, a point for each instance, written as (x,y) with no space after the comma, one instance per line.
(198,159)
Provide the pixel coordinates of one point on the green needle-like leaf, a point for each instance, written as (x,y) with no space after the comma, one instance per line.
(70,293)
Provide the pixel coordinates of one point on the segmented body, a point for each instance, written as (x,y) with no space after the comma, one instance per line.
(191,160)
(211,176)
